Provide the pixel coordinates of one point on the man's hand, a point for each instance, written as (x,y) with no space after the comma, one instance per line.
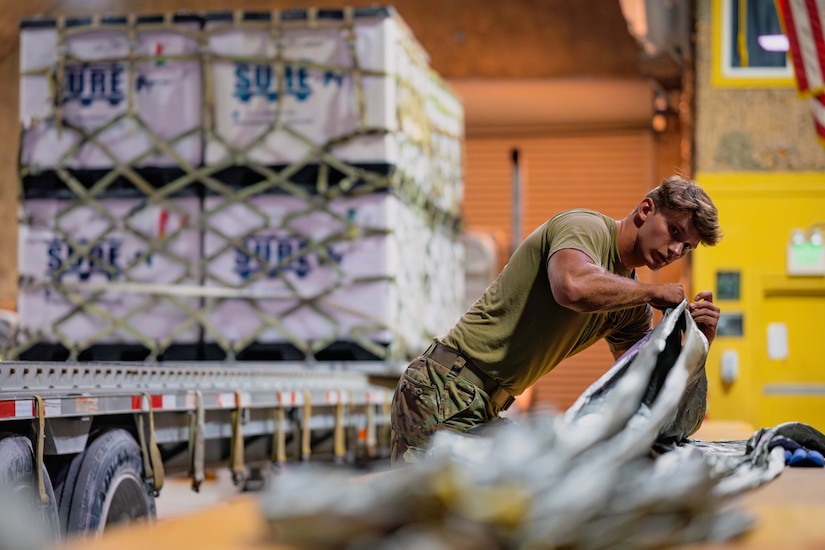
(705,313)
(668,295)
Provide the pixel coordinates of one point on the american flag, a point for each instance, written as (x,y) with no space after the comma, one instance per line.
(804,24)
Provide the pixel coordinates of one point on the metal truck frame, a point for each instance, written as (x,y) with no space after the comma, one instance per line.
(94,441)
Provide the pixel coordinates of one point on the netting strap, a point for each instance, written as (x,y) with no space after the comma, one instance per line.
(372,436)
(386,410)
(39,445)
(279,436)
(306,432)
(236,448)
(339,438)
(152,460)
(197,451)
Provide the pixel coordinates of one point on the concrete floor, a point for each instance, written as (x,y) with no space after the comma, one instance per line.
(177,497)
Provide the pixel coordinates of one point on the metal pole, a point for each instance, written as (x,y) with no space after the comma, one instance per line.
(516,229)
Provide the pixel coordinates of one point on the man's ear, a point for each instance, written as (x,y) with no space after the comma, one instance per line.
(645,209)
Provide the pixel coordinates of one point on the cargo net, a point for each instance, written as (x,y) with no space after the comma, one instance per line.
(235,185)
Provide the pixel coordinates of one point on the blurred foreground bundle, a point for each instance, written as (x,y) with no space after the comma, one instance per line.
(617,470)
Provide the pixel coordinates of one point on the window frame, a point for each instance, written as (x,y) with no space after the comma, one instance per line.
(723,75)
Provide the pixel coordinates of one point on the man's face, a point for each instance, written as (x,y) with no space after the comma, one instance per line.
(666,236)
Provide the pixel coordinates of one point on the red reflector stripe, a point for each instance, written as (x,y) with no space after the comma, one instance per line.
(7,409)
(156,400)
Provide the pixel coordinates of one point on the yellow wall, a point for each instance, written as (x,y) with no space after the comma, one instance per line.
(758,211)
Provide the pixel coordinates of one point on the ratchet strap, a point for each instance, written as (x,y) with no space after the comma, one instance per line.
(197,427)
(152,461)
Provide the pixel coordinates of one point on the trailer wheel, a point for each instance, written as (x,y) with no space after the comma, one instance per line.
(64,482)
(17,483)
(109,488)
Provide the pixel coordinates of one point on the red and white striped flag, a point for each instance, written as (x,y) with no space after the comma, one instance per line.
(804,25)
(804,22)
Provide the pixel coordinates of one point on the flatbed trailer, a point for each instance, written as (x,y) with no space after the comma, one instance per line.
(93,441)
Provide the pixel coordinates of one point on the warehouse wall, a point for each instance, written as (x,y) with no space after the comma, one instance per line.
(758,156)
(465,38)
(759,209)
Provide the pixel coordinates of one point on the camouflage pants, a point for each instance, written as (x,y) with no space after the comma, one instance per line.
(430,397)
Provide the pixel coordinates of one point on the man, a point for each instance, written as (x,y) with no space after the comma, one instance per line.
(569,284)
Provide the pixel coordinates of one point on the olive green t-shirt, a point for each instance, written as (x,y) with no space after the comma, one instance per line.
(517,332)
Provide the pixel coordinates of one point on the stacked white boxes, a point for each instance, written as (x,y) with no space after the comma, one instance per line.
(327,263)
(102,92)
(82,268)
(87,241)
(325,273)
(360,102)
(312,202)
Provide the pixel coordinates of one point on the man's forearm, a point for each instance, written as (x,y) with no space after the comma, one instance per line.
(603,291)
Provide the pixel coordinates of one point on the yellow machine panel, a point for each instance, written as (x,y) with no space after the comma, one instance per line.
(767,365)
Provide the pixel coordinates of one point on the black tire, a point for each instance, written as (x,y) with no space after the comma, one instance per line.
(64,483)
(109,488)
(17,484)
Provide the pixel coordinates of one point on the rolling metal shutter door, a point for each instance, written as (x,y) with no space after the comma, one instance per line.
(605,172)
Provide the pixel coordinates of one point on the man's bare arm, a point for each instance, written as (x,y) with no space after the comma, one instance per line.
(579,284)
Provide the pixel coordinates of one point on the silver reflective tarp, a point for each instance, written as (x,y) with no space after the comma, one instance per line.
(617,470)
